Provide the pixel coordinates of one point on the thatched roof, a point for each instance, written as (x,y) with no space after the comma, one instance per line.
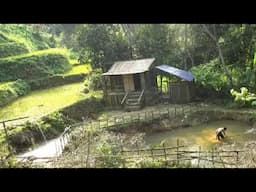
(130,67)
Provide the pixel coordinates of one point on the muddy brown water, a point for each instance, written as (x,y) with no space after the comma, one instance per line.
(204,135)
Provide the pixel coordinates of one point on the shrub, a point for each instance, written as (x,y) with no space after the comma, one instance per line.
(94,80)
(244,98)
(11,49)
(54,123)
(12,90)
(23,33)
(34,65)
(85,108)
(4,39)
(210,75)
(55,80)
(50,126)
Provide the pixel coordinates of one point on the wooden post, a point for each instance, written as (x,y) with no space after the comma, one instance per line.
(199,156)
(91,125)
(6,135)
(237,158)
(138,150)
(152,154)
(165,157)
(88,148)
(213,157)
(56,149)
(123,120)
(161,83)
(114,121)
(177,151)
(122,154)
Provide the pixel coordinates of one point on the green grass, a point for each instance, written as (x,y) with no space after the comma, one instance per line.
(79,69)
(12,90)
(23,33)
(42,102)
(11,49)
(40,52)
(34,65)
(73,61)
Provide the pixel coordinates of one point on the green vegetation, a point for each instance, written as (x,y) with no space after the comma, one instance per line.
(52,124)
(89,107)
(78,69)
(11,49)
(94,80)
(34,65)
(102,43)
(29,35)
(56,80)
(30,133)
(12,90)
(245,98)
(42,102)
(210,75)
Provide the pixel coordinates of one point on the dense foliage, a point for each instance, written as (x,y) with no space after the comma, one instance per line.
(34,65)
(12,90)
(244,98)
(11,49)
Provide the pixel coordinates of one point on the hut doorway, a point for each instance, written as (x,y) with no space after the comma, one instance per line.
(137,84)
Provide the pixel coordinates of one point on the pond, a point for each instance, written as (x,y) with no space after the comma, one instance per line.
(204,135)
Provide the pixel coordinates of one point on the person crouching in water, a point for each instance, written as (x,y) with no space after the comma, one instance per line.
(220,133)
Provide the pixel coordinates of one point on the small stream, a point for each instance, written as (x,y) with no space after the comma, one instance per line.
(47,150)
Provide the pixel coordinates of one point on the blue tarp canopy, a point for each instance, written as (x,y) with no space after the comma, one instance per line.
(177,72)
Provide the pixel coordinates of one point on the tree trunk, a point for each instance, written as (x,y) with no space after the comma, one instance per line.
(130,36)
(187,50)
(186,47)
(228,74)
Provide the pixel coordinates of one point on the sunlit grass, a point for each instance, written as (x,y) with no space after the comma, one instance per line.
(4,83)
(34,53)
(73,61)
(42,102)
(164,83)
(79,69)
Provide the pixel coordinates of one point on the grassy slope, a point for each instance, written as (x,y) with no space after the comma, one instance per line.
(22,33)
(42,102)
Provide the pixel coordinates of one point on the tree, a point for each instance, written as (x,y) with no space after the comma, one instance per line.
(102,43)
(216,41)
(154,40)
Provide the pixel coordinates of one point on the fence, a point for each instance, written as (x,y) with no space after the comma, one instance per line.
(179,156)
(121,121)
(140,117)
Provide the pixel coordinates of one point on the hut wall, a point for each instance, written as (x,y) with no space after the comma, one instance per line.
(143,80)
(114,99)
(180,92)
(128,83)
(116,83)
